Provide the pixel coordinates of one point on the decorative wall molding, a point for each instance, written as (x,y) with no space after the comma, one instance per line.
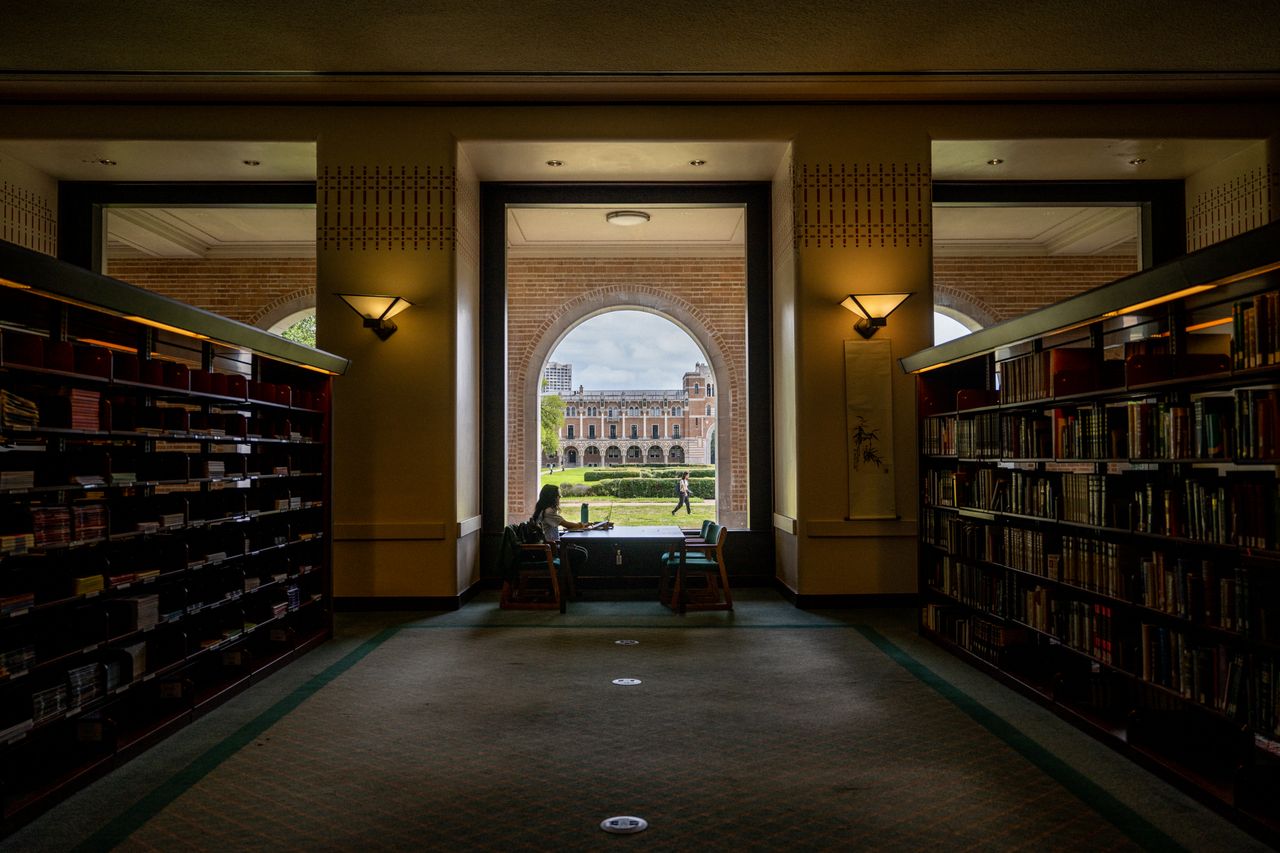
(1240,204)
(386,208)
(27,219)
(862,205)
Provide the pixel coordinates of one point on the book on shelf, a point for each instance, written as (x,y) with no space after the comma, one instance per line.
(1255,331)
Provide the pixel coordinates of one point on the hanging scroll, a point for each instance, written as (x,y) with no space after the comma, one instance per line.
(869,411)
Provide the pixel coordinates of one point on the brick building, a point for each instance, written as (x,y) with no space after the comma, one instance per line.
(662,427)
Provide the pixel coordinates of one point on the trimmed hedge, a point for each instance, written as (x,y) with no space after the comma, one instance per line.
(649,487)
(611,474)
(667,472)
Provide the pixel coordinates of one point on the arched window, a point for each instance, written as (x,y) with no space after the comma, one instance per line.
(697,388)
(675,412)
(571,456)
(949,324)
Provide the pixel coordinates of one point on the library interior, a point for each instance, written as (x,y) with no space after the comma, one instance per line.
(279,292)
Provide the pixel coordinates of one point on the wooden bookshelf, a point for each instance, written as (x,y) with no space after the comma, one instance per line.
(1100,495)
(164,518)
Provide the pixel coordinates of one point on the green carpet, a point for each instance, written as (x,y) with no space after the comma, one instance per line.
(765,729)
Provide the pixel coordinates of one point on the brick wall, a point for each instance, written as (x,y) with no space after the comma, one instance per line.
(991,289)
(244,289)
(707,292)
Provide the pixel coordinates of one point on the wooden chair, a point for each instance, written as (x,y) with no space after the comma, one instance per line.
(531,574)
(703,581)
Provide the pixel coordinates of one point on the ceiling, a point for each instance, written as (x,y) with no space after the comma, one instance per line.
(211,233)
(165,160)
(1079,159)
(258,232)
(584,231)
(581,50)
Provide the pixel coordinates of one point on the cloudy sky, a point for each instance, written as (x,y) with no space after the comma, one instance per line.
(628,351)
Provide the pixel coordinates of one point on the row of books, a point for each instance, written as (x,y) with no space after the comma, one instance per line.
(1244,424)
(979,587)
(1211,675)
(1084,626)
(1255,331)
(938,436)
(17,412)
(16,659)
(1236,509)
(1195,589)
(1191,588)
(124,466)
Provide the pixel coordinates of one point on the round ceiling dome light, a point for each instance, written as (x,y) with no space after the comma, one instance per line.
(994,161)
(626,217)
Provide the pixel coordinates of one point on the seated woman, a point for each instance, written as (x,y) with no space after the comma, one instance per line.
(547,516)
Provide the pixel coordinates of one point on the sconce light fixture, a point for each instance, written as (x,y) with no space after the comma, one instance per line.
(873,310)
(376,311)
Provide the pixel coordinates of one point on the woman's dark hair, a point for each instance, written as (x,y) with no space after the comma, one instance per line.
(547,498)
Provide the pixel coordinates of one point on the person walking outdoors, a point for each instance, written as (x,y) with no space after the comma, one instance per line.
(682,493)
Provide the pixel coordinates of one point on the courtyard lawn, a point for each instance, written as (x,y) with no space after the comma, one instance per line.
(631,512)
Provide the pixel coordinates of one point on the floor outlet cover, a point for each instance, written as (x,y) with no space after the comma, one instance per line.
(624,824)
(626,682)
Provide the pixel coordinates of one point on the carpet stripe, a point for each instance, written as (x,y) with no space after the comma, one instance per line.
(124,824)
(1124,818)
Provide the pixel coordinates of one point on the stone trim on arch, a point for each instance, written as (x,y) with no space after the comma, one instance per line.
(946,296)
(282,306)
(724,348)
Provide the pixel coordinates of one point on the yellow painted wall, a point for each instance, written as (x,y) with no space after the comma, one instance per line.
(404,492)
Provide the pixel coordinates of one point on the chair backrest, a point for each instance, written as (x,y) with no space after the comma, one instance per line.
(710,532)
(706,522)
(509,553)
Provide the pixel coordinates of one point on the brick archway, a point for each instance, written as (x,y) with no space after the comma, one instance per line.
(717,322)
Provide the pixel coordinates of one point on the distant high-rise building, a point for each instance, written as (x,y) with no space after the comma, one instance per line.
(557,378)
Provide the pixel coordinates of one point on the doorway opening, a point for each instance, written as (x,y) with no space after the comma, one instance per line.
(522,325)
(643,383)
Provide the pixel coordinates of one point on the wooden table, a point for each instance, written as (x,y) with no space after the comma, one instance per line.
(616,540)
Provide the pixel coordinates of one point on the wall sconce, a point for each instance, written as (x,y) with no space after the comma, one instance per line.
(873,309)
(376,311)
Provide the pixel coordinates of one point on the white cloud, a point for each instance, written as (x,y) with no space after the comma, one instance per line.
(626,351)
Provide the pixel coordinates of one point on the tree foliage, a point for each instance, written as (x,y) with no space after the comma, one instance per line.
(302,332)
(551,418)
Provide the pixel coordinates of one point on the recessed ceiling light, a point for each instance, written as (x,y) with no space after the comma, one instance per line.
(626,217)
(252,162)
(697,162)
(554,163)
(1137,161)
(994,161)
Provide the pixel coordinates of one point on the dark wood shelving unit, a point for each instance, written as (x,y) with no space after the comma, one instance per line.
(1099,515)
(164,519)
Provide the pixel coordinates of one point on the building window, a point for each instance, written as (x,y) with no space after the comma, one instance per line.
(570,432)
(675,412)
(591,431)
(635,431)
(711,390)
(708,410)
(675,430)
(697,389)
(613,430)
(655,430)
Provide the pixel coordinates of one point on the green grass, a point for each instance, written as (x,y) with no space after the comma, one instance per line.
(633,512)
